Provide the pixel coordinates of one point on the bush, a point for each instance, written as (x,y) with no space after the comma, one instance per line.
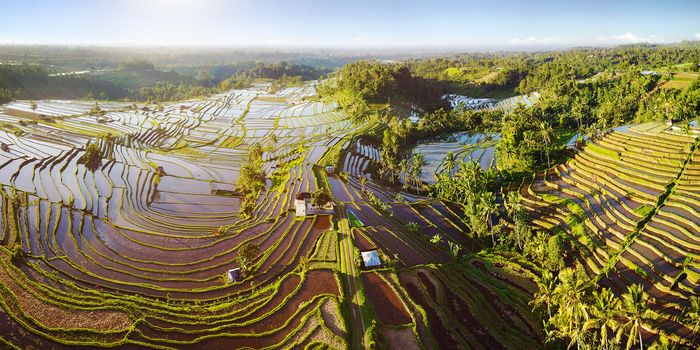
(92,157)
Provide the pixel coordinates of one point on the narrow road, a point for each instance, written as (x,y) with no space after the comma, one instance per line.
(357,327)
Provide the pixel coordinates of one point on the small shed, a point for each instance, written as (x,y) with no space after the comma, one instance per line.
(330,169)
(234,275)
(370,258)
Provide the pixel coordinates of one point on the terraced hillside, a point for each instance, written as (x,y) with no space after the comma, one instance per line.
(134,253)
(133,250)
(628,203)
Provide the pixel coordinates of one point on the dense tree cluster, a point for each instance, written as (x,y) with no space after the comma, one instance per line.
(474,189)
(359,84)
(284,73)
(251,180)
(597,319)
(92,158)
(139,80)
(33,82)
(167,91)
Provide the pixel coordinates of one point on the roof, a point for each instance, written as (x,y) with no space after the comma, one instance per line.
(371,258)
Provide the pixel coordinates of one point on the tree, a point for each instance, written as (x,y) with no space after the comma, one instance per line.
(636,311)
(489,206)
(274,139)
(692,314)
(514,204)
(662,344)
(417,163)
(403,169)
(251,180)
(246,255)
(573,311)
(33,106)
(92,158)
(603,312)
(321,198)
(545,296)
(546,133)
(449,163)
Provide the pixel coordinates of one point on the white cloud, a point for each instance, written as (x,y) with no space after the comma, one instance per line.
(626,38)
(629,38)
(531,40)
(359,40)
(697,36)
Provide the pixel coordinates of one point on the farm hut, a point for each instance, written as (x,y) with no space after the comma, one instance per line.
(330,169)
(302,203)
(234,275)
(370,258)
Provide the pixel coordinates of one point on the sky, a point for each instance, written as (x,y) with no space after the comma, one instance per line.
(348,23)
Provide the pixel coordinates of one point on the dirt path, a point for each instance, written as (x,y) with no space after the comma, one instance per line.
(357,327)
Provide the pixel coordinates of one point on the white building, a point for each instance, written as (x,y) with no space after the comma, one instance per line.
(302,203)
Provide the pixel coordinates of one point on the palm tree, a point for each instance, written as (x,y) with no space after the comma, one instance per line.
(449,163)
(546,286)
(417,163)
(403,169)
(515,204)
(692,314)
(573,311)
(636,311)
(489,206)
(603,311)
(546,134)
(592,132)
(274,139)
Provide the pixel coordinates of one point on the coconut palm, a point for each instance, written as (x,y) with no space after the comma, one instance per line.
(546,133)
(546,286)
(692,314)
(515,204)
(489,206)
(274,139)
(636,311)
(417,163)
(662,344)
(573,311)
(603,311)
(403,169)
(449,163)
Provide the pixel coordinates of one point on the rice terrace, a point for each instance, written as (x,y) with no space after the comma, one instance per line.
(332,175)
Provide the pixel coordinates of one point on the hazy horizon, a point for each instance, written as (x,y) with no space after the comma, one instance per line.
(501,25)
